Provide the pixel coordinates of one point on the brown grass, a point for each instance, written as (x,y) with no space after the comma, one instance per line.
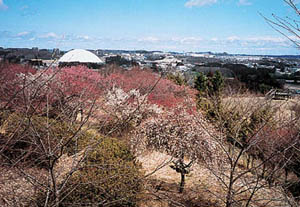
(202,187)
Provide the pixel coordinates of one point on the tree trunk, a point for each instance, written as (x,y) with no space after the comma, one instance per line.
(182,183)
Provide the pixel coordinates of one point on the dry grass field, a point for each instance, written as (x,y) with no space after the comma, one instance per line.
(202,186)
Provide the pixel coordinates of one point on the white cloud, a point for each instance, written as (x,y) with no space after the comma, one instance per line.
(22,34)
(2,5)
(170,40)
(230,44)
(84,37)
(50,35)
(191,40)
(267,39)
(149,39)
(255,42)
(244,3)
(199,3)
(233,38)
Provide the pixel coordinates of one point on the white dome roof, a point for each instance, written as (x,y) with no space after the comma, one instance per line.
(79,55)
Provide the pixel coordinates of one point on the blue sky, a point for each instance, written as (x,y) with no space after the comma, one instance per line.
(233,26)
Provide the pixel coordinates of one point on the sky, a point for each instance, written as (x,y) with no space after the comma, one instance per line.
(233,26)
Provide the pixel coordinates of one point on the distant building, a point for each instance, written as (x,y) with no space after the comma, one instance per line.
(35,49)
(80,57)
(55,52)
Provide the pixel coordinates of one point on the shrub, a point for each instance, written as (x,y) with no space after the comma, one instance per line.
(177,78)
(295,108)
(240,125)
(62,90)
(10,83)
(209,94)
(176,132)
(109,176)
(210,85)
(160,91)
(210,107)
(123,111)
(33,139)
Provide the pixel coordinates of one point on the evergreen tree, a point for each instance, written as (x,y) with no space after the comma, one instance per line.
(201,83)
(217,82)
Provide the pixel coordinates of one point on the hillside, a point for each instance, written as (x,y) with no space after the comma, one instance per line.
(78,137)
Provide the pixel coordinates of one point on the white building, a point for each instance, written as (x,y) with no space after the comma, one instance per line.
(80,56)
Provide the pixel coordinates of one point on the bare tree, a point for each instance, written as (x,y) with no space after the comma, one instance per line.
(37,132)
(287,26)
(257,152)
(244,148)
(46,143)
(177,133)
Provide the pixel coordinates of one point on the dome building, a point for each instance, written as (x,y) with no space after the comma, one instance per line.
(80,57)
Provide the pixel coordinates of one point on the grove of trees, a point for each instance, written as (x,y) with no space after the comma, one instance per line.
(74,136)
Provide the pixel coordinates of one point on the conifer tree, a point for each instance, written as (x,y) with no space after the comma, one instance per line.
(217,82)
(201,83)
